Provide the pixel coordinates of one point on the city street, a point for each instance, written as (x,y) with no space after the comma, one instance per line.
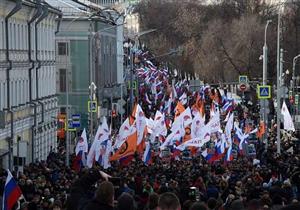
(149,105)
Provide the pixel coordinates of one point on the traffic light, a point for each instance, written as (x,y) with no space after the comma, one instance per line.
(291,98)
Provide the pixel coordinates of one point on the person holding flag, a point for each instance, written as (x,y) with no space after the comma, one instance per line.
(80,152)
(11,194)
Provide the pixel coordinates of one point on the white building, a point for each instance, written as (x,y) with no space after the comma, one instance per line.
(27,81)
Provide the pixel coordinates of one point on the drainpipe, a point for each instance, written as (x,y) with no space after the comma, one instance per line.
(38,12)
(58,23)
(33,127)
(12,12)
(42,17)
(10,139)
(17,8)
(43,111)
(35,16)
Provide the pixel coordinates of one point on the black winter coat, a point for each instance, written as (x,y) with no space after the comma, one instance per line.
(82,191)
(96,205)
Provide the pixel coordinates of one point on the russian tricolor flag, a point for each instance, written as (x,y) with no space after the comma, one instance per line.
(78,161)
(229,156)
(147,154)
(11,194)
(208,156)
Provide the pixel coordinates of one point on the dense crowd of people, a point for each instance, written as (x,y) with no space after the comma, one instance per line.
(272,183)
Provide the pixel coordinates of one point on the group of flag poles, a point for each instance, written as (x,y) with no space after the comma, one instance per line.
(138,133)
(187,131)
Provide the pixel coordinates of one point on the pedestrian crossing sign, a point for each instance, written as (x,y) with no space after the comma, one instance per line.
(69,125)
(264,91)
(243,79)
(92,106)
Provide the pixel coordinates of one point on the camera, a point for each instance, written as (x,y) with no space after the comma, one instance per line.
(194,194)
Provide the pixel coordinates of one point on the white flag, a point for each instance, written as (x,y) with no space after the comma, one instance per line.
(184,118)
(125,130)
(172,137)
(82,144)
(102,134)
(183,98)
(214,123)
(160,125)
(150,125)
(91,155)
(197,124)
(195,142)
(105,157)
(228,129)
(287,119)
(140,123)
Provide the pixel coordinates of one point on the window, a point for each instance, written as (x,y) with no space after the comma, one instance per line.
(62,80)
(62,48)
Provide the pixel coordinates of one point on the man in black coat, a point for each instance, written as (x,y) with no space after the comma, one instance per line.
(83,190)
(104,198)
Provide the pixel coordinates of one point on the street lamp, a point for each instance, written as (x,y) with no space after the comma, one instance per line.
(265,67)
(278,72)
(92,88)
(294,80)
(265,55)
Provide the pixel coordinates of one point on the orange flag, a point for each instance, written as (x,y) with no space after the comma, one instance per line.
(248,128)
(261,130)
(179,109)
(127,148)
(199,106)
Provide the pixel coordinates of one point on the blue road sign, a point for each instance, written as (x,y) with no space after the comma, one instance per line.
(243,79)
(264,91)
(69,125)
(76,120)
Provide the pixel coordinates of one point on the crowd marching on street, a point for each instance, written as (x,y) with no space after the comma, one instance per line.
(177,149)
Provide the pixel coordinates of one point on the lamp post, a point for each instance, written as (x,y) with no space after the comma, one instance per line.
(68,79)
(294,82)
(279,53)
(67,92)
(265,55)
(265,67)
(92,37)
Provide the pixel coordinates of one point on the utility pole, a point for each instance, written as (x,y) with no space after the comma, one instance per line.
(131,79)
(92,86)
(278,84)
(121,115)
(294,84)
(265,75)
(67,114)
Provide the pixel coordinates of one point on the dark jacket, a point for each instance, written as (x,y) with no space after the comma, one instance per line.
(96,205)
(82,191)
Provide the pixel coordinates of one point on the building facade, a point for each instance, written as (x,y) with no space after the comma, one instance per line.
(28,102)
(88,50)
